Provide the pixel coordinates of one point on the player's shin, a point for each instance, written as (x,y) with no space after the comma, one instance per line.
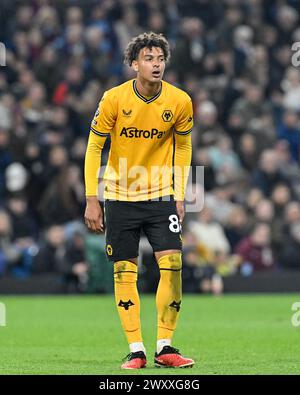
(127,300)
(168,297)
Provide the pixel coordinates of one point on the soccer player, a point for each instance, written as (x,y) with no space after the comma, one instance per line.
(149,123)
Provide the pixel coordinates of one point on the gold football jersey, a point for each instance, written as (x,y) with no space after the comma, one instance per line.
(142,131)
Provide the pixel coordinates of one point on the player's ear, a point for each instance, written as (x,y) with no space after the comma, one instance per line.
(135,66)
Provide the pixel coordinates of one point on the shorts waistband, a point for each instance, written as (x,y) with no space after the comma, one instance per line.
(167,198)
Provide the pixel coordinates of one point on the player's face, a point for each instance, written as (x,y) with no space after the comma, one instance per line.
(150,64)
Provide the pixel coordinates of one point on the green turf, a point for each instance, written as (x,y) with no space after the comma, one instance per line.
(82,335)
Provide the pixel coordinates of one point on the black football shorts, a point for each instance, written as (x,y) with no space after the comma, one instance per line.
(124,222)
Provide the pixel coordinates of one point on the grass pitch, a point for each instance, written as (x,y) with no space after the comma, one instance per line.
(241,334)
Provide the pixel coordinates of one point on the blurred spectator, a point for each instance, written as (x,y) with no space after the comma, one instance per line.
(289,130)
(63,197)
(219,201)
(190,48)
(46,69)
(209,232)
(5,159)
(286,18)
(224,160)
(127,27)
(23,223)
(200,273)
(57,130)
(16,178)
(254,251)
(290,250)
(248,152)
(252,106)
(281,196)
(50,255)
(9,254)
(25,233)
(203,159)
(287,165)
(208,131)
(237,226)
(264,211)
(72,84)
(73,265)
(291,86)
(191,274)
(254,196)
(289,218)
(33,105)
(6,112)
(268,174)
(292,213)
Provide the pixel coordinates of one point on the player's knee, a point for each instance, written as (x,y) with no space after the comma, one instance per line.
(170,262)
(125,271)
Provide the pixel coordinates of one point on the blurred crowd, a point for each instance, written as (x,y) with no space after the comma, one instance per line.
(233,57)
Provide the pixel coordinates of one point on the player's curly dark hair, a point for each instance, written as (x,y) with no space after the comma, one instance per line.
(147,40)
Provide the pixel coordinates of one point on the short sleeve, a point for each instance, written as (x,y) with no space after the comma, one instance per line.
(184,122)
(105,116)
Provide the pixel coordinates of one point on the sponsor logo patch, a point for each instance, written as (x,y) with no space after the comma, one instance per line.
(138,133)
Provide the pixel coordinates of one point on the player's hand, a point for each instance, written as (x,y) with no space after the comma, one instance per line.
(93,216)
(180,210)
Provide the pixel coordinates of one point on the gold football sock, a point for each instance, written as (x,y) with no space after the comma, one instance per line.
(168,296)
(127,299)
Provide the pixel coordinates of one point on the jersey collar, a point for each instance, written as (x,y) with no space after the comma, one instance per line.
(144,98)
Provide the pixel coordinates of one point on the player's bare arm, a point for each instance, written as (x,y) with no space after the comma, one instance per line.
(93,216)
(180,210)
